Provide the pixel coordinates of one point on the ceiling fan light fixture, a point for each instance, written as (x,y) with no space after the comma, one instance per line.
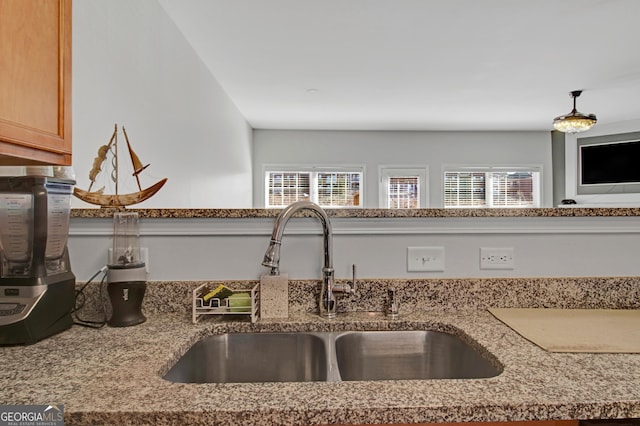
(575,121)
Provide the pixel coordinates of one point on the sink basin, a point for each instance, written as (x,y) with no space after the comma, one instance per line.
(398,355)
(253,357)
(330,357)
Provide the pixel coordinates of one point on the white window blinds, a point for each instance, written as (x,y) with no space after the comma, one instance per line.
(505,188)
(403,192)
(284,188)
(514,189)
(464,189)
(338,189)
(402,188)
(327,188)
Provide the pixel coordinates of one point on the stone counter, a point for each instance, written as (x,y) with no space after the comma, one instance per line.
(113,376)
(364,213)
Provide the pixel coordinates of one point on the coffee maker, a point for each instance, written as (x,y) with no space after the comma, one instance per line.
(37,287)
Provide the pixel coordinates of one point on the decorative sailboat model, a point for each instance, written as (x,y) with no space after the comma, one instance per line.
(116,200)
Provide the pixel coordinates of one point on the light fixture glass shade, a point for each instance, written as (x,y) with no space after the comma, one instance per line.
(575,121)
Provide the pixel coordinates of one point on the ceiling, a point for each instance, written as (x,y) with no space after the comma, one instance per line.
(418,64)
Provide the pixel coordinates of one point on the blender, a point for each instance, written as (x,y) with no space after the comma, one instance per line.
(37,287)
(127,274)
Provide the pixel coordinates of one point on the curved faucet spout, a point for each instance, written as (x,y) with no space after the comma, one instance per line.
(272,255)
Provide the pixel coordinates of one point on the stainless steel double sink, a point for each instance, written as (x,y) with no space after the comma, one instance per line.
(332,357)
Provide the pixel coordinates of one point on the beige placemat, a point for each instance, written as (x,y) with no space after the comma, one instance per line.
(576,330)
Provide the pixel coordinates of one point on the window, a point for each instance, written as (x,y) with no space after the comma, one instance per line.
(328,188)
(402,188)
(403,192)
(284,188)
(338,189)
(507,187)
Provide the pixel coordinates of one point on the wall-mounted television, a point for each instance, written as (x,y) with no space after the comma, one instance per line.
(609,164)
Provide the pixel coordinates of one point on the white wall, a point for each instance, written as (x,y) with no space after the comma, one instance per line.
(392,148)
(132,66)
(224,249)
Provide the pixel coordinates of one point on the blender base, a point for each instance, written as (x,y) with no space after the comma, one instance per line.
(126,303)
(50,315)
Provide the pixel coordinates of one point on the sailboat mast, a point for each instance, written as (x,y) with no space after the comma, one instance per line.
(114,173)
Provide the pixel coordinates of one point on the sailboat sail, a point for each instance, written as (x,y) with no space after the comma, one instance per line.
(137,164)
(100,158)
(117,200)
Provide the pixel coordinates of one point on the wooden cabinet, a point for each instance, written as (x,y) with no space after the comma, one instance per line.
(35,82)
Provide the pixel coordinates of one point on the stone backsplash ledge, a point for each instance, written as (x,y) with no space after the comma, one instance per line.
(413,294)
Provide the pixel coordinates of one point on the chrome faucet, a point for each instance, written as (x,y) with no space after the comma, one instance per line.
(271,260)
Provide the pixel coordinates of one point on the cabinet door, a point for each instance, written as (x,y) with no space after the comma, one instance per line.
(35,81)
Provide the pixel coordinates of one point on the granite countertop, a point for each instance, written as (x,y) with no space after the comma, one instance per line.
(174,213)
(114,376)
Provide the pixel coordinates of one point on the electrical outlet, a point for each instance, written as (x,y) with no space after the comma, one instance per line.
(496,258)
(425,259)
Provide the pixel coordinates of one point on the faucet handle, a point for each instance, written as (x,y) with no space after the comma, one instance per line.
(354,284)
(347,288)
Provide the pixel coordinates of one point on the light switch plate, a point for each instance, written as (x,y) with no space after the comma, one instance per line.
(429,259)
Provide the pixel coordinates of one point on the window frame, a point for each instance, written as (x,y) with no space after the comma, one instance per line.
(314,170)
(525,168)
(385,172)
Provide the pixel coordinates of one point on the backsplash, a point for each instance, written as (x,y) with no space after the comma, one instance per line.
(414,295)
(227,248)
